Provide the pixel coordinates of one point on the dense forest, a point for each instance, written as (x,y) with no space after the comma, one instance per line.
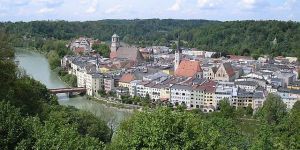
(250,38)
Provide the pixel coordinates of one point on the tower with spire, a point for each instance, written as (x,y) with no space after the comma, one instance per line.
(177,55)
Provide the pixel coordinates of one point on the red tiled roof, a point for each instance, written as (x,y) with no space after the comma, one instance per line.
(236,57)
(208,86)
(112,55)
(127,78)
(79,50)
(188,68)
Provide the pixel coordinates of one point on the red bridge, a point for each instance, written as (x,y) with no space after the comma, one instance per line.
(68,90)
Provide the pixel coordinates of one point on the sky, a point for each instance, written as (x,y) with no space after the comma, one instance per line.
(84,10)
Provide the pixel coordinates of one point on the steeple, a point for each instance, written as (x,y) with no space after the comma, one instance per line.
(177,54)
(178,44)
(115,43)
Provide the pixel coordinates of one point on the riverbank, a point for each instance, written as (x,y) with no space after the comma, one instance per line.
(55,72)
(36,66)
(114,104)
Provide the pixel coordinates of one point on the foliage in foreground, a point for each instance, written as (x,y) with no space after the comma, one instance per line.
(166,129)
(30,118)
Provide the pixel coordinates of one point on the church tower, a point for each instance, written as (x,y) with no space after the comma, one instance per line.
(177,55)
(115,44)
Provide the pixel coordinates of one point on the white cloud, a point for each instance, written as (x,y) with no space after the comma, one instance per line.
(45,10)
(114,9)
(48,3)
(21,2)
(252,4)
(176,6)
(248,3)
(290,4)
(209,3)
(93,7)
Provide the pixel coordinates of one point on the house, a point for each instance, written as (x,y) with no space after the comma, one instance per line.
(94,82)
(258,99)
(249,86)
(209,71)
(287,77)
(109,83)
(288,96)
(294,86)
(223,92)
(181,95)
(244,99)
(225,72)
(126,79)
(121,91)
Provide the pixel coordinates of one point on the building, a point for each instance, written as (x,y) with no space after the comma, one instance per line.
(189,68)
(209,71)
(249,86)
(181,95)
(117,51)
(109,83)
(94,82)
(288,96)
(225,72)
(126,79)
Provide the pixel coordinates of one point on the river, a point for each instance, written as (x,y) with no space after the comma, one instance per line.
(37,66)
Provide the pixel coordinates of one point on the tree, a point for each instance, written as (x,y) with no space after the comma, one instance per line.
(53,59)
(249,110)
(273,110)
(53,135)
(85,123)
(240,112)
(11,126)
(30,96)
(165,129)
(102,92)
(226,110)
(102,49)
(7,77)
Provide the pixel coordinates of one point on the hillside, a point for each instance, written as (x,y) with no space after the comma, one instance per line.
(247,37)
(235,37)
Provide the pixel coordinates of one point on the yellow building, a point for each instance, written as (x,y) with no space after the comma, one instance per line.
(126,79)
(104,69)
(168,71)
(294,86)
(165,93)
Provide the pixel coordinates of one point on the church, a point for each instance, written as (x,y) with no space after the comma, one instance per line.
(117,51)
(186,68)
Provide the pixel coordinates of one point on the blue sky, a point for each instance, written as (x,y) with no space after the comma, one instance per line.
(82,10)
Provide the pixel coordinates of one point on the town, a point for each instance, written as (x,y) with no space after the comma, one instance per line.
(182,76)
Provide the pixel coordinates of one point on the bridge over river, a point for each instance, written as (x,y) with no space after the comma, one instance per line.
(68,90)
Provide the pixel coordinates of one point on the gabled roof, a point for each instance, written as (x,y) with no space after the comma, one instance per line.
(188,68)
(79,50)
(127,78)
(229,70)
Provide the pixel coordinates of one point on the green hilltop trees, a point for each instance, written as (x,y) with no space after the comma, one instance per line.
(249,38)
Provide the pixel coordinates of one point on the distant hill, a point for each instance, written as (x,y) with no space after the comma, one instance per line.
(102,29)
(235,37)
(247,37)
